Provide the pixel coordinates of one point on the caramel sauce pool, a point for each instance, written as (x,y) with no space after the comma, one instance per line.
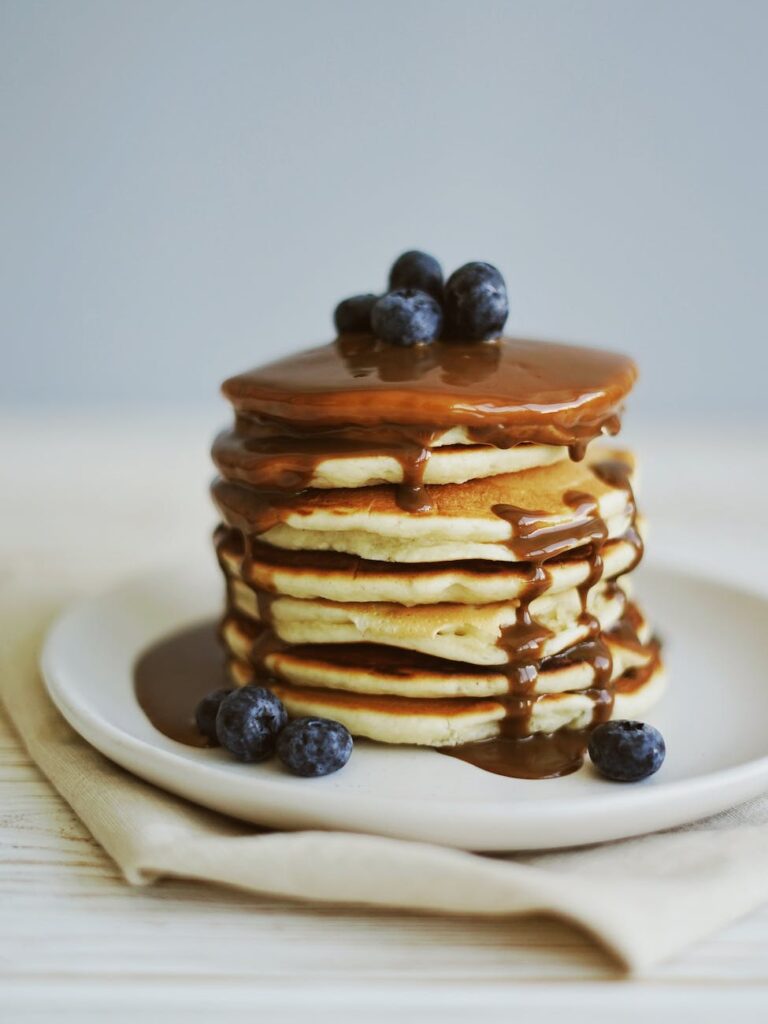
(173,675)
(541,756)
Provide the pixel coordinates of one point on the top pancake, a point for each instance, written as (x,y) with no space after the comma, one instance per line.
(535,391)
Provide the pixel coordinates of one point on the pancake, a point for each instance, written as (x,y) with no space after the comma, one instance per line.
(451,458)
(526,390)
(336,576)
(374,669)
(511,517)
(445,723)
(490,634)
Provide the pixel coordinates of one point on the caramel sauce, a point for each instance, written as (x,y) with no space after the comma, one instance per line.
(540,756)
(173,675)
(519,389)
(515,751)
(278,458)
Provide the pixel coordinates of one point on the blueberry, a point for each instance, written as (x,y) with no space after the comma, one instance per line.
(314,746)
(248,722)
(627,751)
(407,316)
(416,269)
(205,715)
(476,305)
(353,316)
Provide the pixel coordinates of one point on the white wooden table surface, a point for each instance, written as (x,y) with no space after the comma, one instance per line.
(77,943)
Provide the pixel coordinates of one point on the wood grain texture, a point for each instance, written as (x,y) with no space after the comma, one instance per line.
(77,943)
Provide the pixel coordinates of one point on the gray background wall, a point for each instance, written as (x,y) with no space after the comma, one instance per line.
(188,187)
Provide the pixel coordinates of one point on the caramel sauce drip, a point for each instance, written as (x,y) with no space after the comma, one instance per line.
(540,542)
(282,461)
(515,751)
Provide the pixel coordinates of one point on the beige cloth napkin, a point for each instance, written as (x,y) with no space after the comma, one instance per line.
(643,899)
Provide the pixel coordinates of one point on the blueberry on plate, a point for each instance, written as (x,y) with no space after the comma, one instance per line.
(407,316)
(314,746)
(627,751)
(205,715)
(248,722)
(353,315)
(416,269)
(476,305)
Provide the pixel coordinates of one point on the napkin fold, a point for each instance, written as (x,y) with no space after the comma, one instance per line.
(643,899)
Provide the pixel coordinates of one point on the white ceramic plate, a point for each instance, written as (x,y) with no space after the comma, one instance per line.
(714,718)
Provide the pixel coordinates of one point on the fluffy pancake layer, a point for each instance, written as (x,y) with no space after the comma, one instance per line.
(486,634)
(336,576)
(446,722)
(379,670)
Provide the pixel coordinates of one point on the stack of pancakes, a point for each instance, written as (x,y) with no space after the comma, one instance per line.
(434,582)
